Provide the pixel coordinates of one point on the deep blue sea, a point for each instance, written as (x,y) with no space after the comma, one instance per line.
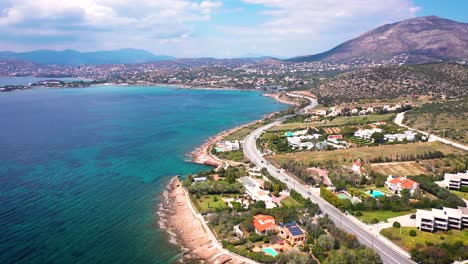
(81,170)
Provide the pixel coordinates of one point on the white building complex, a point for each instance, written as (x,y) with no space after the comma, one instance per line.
(456,181)
(442,219)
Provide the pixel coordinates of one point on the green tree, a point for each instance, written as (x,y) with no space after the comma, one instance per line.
(378,137)
(326,242)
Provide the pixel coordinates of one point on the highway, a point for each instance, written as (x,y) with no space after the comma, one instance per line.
(388,251)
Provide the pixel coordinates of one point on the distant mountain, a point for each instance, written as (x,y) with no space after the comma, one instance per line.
(72,57)
(424,39)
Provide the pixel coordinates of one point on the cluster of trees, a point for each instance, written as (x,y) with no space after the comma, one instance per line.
(443,253)
(446,198)
(332,245)
(332,198)
(299,170)
(215,187)
(408,157)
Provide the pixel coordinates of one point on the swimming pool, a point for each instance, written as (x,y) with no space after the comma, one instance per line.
(376,193)
(343,196)
(270,251)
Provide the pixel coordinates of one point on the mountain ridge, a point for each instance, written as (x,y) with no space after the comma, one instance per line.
(73,57)
(424,39)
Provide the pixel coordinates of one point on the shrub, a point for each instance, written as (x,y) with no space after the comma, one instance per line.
(412,233)
(413,216)
(429,243)
(358,213)
(396,224)
(374,221)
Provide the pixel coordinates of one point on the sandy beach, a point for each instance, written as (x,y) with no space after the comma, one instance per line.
(187,229)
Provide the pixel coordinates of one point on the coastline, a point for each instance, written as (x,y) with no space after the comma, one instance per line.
(188,229)
(176,212)
(202,155)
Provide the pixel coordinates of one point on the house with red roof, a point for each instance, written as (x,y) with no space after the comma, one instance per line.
(396,184)
(264,224)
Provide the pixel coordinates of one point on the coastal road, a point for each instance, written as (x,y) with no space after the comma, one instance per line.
(399,121)
(388,251)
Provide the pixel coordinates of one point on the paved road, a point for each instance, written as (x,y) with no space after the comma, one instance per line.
(399,121)
(389,252)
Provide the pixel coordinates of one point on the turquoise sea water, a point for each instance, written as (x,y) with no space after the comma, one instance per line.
(81,170)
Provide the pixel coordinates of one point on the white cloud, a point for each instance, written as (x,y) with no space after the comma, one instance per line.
(104,20)
(303,25)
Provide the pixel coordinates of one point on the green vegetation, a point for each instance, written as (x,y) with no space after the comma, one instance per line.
(463,195)
(290,202)
(446,198)
(338,121)
(381,216)
(215,187)
(446,245)
(243,132)
(209,203)
(383,152)
(235,155)
(392,81)
(449,119)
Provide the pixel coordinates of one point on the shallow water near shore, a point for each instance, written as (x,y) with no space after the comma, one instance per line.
(81,170)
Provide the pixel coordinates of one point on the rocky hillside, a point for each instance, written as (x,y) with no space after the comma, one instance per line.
(424,39)
(439,79)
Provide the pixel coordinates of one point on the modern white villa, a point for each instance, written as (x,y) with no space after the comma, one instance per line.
(456,181)
(442,219)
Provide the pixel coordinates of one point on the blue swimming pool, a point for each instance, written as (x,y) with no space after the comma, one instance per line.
(270,251)
(375,193)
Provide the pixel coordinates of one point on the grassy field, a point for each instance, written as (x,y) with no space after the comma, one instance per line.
(290,202)
(209,203)
(235,155)
(339,121)
(365,153)
(463,195)
(399,168)
(243,132)
(408,242)
(447,118)
(382,216)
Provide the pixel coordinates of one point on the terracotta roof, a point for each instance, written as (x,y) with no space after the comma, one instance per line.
(263,222)
(405,183)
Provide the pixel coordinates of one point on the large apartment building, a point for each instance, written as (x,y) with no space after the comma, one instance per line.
(442,219)
(456,181)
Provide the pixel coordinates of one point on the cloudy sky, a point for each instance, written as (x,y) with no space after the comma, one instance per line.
(196,28)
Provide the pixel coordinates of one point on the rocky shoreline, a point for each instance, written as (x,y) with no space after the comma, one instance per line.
(187,228)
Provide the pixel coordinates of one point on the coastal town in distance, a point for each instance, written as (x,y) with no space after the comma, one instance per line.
(367,162)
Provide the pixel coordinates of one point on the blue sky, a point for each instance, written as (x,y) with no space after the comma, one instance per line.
(205,28)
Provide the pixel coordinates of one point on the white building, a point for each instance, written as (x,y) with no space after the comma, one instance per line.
(254,190)
(200,179)
(301,141)
(442,219)
(456,181)
(366,133)
(407,135)
(397,184)
(223,146)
